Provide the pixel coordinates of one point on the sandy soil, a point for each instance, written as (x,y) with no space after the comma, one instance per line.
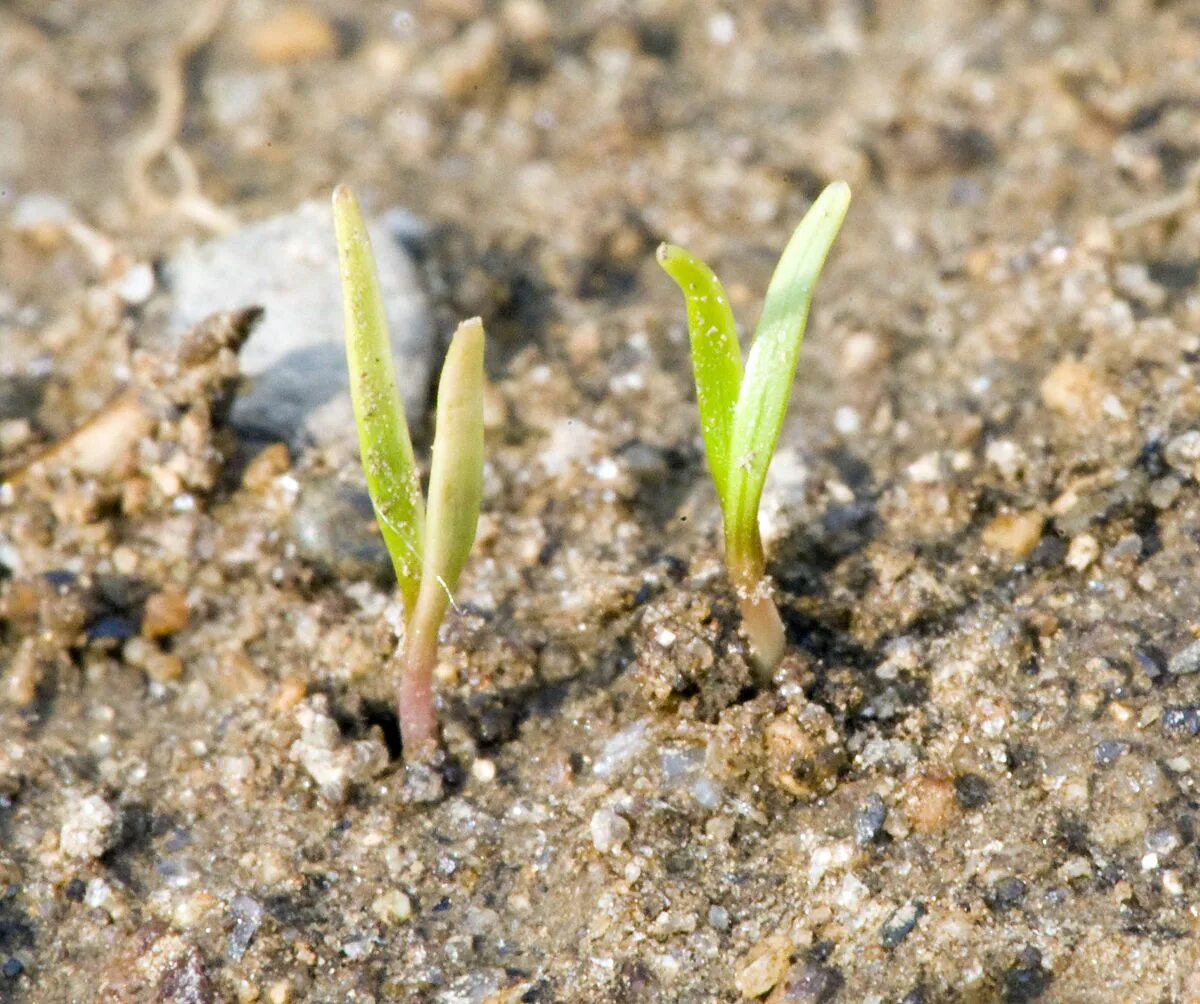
(972,780)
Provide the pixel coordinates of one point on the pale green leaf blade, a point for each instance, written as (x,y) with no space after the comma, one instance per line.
(387,453)
(771,364)
(456,470)
(716,356)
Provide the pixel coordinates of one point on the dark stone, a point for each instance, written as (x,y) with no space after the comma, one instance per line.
(1185,718)
(111,627)
(1026,980)
(76,889)
(869,820)
(973,791)
(901,923)
(12,968)
(1108,752)
(1150,660)
(810,983)
(1005,894)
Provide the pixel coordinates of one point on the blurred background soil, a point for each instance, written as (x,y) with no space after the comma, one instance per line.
(973,777)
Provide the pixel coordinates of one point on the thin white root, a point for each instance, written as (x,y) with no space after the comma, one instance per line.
(159,141)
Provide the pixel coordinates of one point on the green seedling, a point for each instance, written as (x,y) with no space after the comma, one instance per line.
(741,414)
(428,541)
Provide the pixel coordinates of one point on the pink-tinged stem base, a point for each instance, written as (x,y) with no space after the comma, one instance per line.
(418,719)
(764,630)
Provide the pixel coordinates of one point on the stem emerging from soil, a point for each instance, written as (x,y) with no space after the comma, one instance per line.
(414,694)
(760,617)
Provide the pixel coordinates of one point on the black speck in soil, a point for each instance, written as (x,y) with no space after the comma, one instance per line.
(972,791)
(1005,894)
(1026,980)
(12,968)
(75,890)
(869,820)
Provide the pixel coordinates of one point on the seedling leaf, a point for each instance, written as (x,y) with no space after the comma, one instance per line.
(456,471)
(716,357)
(771,366)
(387,453)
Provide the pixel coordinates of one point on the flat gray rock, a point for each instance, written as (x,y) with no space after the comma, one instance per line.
(296,388)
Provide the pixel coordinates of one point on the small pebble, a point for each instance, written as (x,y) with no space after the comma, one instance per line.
(91,828)
(931,804)
(609,830)
(12,968)
(1074,389)
(247,914)
(1185,661)
(901,923)
(1182,719)
(1016,534)
(291,35)
(1083,551)
(1108,751)
(392,907)
(763,967)
(166,613)
(1005,894)
(869,820)
(972,791)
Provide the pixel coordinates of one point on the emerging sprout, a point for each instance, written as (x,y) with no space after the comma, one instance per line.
(428,546)
(741,415)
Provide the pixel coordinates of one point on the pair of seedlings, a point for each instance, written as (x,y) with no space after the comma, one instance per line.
(741,414)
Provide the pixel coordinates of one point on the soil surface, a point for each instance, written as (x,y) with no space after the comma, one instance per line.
(974,777)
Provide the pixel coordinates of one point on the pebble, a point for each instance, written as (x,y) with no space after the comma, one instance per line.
(470,62)
(91,828)
(901,923)
(761,968)
(295,357)
(392,907)
(332,762)
(609,830)
(972,791)
(1005,894)
(1183,453)
(166,613)
(869,820)
(1182,719)
(1185,661)
(808,983)
(1083,551)
(1074,389)
(1108,752)
(1016,534)
(293,34)
(931,804)
(247,914)
(12,968)
(334,528)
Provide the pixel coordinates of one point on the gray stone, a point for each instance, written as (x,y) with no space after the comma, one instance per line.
(1185,661)
(295,361)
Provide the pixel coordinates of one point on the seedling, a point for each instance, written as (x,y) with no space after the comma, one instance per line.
(428,543)
(741,414)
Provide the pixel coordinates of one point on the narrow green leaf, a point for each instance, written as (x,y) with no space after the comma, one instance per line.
(456,472)
(716,356)
(387,453)
(771,365)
